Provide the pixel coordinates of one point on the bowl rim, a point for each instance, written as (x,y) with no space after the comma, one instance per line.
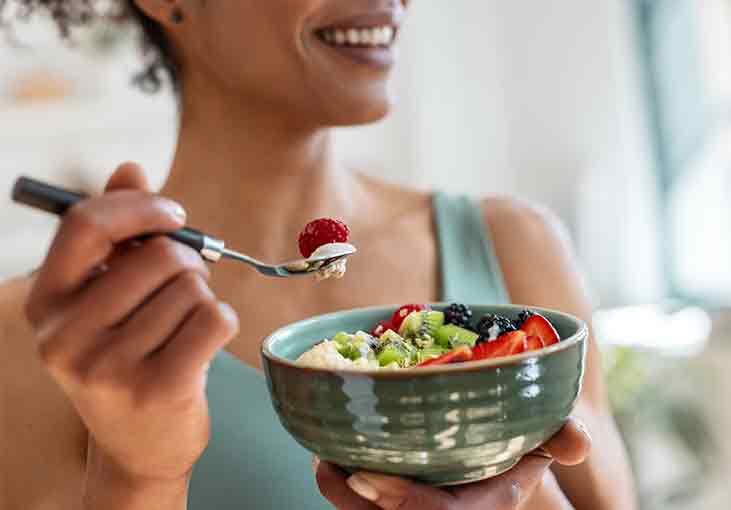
(469,366)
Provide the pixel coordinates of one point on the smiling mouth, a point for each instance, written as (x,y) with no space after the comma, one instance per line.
(359,37)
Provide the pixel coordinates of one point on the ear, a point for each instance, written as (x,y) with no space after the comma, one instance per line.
(159,10)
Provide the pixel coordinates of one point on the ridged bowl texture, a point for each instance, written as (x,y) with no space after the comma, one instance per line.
(440,425)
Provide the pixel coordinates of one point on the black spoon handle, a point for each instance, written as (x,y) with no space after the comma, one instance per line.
(58,201)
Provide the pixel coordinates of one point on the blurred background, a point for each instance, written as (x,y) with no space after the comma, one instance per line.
(615,113)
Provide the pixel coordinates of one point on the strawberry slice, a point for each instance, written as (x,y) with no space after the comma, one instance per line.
(459,355)
(539,326)
(403,312)
(534,343)
(507,344)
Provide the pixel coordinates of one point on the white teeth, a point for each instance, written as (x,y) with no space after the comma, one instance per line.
(353,36)
(365,36)
(376,36)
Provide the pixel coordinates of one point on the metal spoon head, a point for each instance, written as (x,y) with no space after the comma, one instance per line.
(322,259)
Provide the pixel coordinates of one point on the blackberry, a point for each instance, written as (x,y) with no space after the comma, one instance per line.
(522,317)
(459,315)
(492,326)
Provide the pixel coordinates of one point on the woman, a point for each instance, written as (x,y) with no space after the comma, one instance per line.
(109,385)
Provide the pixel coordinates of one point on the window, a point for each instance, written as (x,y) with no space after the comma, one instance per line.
(687,56)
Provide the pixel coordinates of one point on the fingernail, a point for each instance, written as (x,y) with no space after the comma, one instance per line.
(542,452)
(315,463)
(362,488)
(176,210)
(582,428)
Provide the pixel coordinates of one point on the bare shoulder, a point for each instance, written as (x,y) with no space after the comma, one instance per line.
(44,461)
(533,223)
(536,255)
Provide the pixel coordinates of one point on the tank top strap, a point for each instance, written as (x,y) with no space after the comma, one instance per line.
(469,265)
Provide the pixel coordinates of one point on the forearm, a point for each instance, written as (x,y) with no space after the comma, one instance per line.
(106,489)
(119,496)
(604,481)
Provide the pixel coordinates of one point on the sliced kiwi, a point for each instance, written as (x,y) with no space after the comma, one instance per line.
(355,346)
(391,336)
(342,338)
(433,320)
(391,355)
(429,353)
(395,350)
(451,336)
(418,324)
(411,324)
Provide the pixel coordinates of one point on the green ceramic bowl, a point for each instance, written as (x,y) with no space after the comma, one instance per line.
(438,425)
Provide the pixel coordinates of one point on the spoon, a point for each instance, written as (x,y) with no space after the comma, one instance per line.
(45,197)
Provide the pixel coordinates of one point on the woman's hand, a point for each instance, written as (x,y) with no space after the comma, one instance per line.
(127,329)
(505,492)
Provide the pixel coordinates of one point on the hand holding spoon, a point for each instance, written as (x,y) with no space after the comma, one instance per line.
(57,201)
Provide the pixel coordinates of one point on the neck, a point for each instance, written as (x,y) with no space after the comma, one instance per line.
(252,179)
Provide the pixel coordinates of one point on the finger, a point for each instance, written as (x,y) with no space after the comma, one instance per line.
(88,234)
(571,445)
(83,328)
(506,491)
(332,483)
(392,493)
(208,329)
(162,316)
(128,176)
(133,278)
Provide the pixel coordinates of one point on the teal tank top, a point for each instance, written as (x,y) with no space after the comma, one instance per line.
(251,461)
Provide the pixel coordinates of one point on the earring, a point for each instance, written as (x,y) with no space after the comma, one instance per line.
(176,16)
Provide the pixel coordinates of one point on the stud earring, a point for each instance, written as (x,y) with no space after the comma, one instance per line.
(176,16)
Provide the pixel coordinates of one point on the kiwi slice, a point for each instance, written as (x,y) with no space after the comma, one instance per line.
(342,338)
(391,355)
(425,323)
(451,336)
(429,353)
(395,350)
(356,346)
(391,336)
(433,320)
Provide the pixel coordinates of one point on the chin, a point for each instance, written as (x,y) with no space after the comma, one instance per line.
(358,113)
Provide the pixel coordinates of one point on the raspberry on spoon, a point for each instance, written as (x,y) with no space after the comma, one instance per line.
(320,232)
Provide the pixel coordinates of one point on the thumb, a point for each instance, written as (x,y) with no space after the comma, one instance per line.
(128,176)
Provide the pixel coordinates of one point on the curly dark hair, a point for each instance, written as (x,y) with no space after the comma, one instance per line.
(159,59)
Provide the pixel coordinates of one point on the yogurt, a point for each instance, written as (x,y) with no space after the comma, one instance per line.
(337,269)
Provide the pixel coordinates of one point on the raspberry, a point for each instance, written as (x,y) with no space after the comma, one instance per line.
(459,315)
(400,314)
(322,231)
